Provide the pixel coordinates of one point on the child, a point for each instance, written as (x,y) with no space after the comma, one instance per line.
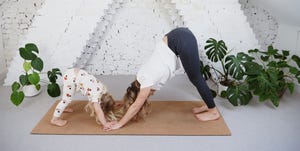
(101,102)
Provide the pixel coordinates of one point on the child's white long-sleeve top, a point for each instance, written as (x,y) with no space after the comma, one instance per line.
(79,80)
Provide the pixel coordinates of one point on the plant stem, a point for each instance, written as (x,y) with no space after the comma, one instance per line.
(218,71)
(225,72)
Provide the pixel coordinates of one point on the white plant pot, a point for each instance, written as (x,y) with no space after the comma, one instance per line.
(30,90)
(221,88)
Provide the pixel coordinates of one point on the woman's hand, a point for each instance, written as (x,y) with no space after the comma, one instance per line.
(133,109)
(113,126)
(108,125)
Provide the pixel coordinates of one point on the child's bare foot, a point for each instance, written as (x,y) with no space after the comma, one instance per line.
(68,110)
(200,109)
(209,115)
(58,122)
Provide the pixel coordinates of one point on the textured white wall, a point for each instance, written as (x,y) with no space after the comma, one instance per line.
(60,30)
(221,20)
(2,62)
(288,38)
(63,31)
(130,39)
(263,23)
(17,17)
(275,19)
(286,11)
(137,26)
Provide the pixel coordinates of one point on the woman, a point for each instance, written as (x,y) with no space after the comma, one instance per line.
(161,67)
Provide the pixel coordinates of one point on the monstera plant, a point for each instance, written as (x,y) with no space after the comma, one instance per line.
(266,74)
(29,80)
(230,73)
(274,72)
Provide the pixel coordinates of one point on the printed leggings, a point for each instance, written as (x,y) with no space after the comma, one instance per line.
(184,44)
(68,92)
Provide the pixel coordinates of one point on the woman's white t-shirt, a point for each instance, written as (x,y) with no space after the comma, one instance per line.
(160,67)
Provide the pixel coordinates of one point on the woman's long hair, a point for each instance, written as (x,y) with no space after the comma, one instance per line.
(113,112)
(107,104)
(130,97)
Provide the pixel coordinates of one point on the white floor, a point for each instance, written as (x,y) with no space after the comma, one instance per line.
(256,127)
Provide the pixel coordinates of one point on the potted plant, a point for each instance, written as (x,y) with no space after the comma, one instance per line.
(29,81)
(273,73)
(232,72)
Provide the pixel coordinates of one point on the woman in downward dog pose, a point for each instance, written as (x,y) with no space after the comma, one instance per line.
(101,103)
(179,42)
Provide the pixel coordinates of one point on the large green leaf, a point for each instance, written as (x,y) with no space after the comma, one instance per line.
(296,59)
(52,75)
(282,64)
(286,52)
(26,54)
(272,51)
(253,68)
(37,64)
(37,86)
(298,77)
(239,95)
(291,87)
(293,70)
(235,65)
(215,50)
(32,47)
(56,71)
(265,58)
(53,89)
(267,85)
(15,86)
(26,66)
(17,97)
(253,51)
(275,100)
(205,70)
(34,78)
(23,79)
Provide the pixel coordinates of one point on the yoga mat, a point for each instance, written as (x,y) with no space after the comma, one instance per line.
(165,118)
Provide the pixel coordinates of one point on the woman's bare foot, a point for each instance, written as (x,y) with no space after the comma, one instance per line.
(209,115)
(58,122)
(68,110)
(200,109)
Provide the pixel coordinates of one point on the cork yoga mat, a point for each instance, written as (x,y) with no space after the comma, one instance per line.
(166,118)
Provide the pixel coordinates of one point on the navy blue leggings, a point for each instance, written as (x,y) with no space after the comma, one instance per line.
(184,44)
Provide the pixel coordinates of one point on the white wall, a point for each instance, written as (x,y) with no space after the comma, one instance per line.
(135,28)
(287,14)
(130,39)
(288,38)
(63,31)
(2,62)
(286,11)
(60,32)
(264,25)
(17,18)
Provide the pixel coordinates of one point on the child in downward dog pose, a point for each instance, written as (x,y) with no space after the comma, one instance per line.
(100,104)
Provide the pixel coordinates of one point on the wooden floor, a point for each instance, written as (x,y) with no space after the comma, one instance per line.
(258,126)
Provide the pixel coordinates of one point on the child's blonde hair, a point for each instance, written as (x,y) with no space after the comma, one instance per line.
(107,104)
